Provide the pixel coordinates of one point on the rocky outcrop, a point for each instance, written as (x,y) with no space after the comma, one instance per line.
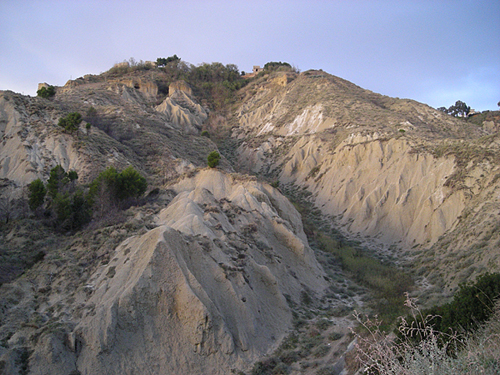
(180,85)
(182,110)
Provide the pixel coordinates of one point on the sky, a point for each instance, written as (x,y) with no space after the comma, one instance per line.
(432,51)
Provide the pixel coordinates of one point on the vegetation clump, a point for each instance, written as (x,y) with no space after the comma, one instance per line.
(472,305)
(37,193)
(459,109)
(70,207)
(213,159)
(67,203)
(273,66)
(423,349)
(162,61)
(71,122)
(46,92)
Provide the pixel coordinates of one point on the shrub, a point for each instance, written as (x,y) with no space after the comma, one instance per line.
(106,179)
(46,92)
(471,305)
(111,187)
(37,194)
(205,133)
(213,159)
(475,354)
(71,122)
(273,65)
(58,178)
(162,61)
(72,210)
(72,176)
(130,184)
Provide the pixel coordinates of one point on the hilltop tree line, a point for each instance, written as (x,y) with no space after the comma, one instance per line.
(215,82)
(69,206)
(459,109)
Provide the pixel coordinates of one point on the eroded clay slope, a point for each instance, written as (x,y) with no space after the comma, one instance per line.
(121,127)
(31,145)
(396,172)
(202,293)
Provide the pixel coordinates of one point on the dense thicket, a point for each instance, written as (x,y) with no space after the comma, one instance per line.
(273,65)
(70,207)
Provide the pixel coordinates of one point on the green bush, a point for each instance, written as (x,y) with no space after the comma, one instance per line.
(476,353)
(37,194)
(46,92)
(60,179)
(130,184)
(205,133)
(57,179)
(68,204)
(118,186)
(71,122)
(72,210)
(107,179)
(273,65)
(213,159)
(472,305)
(162,61)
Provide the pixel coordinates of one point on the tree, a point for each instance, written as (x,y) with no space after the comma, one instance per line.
(105,181)
(57,179)
(72,175)
(46,92)
(72,210)
(71,122)
(102,192)
(130,184)
(273,65)
(110,187)
(213,159)
(37,194)
(459,109)
(161,61)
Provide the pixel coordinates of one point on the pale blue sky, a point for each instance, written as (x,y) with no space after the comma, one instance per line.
(435,51)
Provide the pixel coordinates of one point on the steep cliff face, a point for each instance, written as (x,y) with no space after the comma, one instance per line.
(182,110)
(396,172)
(29,146)
(378,188)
